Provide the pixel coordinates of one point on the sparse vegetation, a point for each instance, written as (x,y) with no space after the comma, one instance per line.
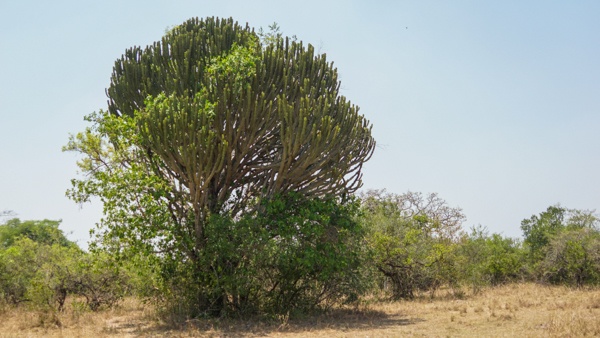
(523,309)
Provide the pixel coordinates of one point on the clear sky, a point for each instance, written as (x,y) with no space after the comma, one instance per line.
(495,105)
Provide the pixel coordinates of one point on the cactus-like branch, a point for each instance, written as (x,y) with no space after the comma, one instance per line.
(227,115)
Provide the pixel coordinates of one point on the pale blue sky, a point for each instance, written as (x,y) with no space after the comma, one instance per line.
(495,105)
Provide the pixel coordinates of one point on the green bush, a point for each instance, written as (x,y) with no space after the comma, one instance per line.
(539,230)
(573,258)
(99,279)
(563,245)
(490,259)
(412,239)
(42,276)
(18,265)
(292,255)
(43,232)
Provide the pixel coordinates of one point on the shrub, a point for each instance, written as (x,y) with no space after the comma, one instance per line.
(293,254)
(99,279)
(573,258)
(540,230)
(42,276)
(490,259)
(43,232)
(17,270)
(413,240)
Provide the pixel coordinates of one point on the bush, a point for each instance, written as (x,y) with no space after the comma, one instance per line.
(573,258)
(42,276)
(490,260)
(315,252)
(43,232)
(292,255)
(412,239)
(17,270)
(99,279)
(540,230)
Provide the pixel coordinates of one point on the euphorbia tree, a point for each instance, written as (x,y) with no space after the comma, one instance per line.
(210,121)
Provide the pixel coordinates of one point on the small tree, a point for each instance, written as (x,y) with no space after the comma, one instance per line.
(44,232)
(490,259)
(34,256)
(413,239)
(99,279)
(17,270)
(43,275)
(539,230)
(573,258)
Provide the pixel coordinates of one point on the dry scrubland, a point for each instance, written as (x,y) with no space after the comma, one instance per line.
(516,310)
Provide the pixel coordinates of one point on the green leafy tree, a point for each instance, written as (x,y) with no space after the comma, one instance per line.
(97,278)
(573,258)
(205,125)
(41,268)
(490,259)
(539,230)
(563,245)
(17,270)
(314,252)
(45,232)
(412,239)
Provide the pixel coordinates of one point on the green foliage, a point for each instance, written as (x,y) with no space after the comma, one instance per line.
(563,245)
(99,279)
(490,259)
(36,273)
(52,282)
(34,258)
(314,254)
(412,240)
(42,275)
(203,128)
(16,270)
(297,255)
(44,232)
(573,258)
(538,230)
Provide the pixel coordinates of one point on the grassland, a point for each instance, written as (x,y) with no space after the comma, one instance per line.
(515,310)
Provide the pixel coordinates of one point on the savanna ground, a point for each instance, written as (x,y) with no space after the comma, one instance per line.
(515,310)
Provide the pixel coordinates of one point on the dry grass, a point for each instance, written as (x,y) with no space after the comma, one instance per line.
(517,310)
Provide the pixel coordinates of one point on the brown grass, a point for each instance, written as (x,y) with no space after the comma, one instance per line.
(516,310)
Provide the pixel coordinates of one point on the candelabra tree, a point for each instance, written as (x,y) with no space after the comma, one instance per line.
(212,121)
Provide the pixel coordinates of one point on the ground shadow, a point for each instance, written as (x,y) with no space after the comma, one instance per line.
(338,320)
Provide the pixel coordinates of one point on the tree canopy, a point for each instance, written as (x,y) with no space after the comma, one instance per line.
(224,114)
(43,232)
